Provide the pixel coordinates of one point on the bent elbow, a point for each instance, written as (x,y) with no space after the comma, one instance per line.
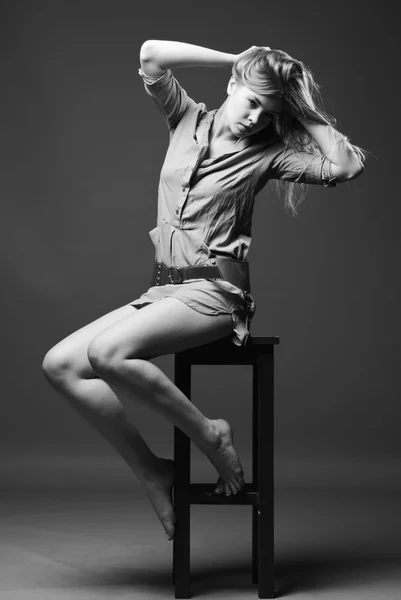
(344,175)
(149,49)
(146,50)
(355,172)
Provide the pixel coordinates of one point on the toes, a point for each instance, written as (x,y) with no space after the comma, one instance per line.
(227,489)
(230,487)
(233,487)
(219,489)
(238,485)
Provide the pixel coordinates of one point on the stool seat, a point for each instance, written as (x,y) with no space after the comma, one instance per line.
(224,352)
(258,352)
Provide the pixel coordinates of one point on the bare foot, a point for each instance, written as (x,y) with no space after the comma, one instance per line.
(158,487)
(224,457)
(220,487)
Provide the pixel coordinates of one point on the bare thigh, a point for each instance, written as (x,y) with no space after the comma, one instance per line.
(165,327)
(70,354)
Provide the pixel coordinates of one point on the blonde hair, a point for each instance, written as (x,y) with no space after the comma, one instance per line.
(276,74)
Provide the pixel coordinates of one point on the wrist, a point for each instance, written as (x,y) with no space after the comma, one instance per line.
(231,58)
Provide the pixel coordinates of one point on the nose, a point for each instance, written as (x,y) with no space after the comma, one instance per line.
(254,117)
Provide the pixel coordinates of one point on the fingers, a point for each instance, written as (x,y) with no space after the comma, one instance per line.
(252,48)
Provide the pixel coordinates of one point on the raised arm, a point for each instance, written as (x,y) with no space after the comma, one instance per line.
(345,162)
(158,55)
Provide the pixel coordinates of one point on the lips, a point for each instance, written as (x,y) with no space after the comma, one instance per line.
(245,128)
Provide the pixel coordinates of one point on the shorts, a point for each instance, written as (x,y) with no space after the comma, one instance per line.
(209,297)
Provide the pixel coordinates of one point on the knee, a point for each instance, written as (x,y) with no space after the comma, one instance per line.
(103,357)
(56,366)
(108,360)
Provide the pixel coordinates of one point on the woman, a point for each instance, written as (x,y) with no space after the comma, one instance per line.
(270,127)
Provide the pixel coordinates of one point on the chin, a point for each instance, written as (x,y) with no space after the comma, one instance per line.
(239,132)
(236,132)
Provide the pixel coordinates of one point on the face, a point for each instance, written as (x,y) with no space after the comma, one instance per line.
(245,107)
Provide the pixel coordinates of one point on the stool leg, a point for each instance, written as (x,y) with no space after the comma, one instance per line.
(182,458)
(266,473)
(255,472)
(255,544)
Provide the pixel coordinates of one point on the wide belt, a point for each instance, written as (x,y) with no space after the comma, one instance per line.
(218,267)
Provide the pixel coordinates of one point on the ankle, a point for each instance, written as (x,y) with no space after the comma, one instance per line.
(210,436)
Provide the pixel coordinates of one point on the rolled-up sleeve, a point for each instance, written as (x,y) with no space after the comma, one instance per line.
(300,167)
(169,96)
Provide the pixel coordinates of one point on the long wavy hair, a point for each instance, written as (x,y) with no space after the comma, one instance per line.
(276,74)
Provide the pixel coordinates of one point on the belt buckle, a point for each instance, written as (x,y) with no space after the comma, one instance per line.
(170,278)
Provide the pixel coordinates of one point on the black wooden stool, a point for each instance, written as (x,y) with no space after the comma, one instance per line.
(258,352)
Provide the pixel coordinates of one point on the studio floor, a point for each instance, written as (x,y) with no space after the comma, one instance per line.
(84,544)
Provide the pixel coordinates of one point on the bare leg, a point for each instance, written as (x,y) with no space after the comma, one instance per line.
(67,368)
(137,379)
(98,405)
(120,355)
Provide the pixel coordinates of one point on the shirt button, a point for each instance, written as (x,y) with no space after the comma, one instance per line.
(177,211)
(184,189)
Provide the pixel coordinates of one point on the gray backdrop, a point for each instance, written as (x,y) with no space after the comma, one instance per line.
(82,145)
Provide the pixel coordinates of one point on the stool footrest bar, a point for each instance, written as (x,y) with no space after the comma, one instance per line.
(203,493)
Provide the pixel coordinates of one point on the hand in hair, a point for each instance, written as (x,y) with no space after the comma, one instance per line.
(252,48)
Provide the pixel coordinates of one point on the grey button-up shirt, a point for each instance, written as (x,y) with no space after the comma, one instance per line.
(205,205)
